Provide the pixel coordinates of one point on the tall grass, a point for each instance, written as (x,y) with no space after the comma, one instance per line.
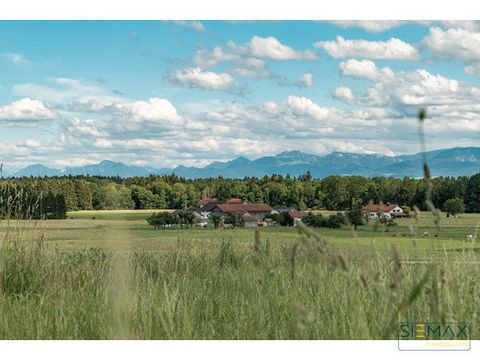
(306,290)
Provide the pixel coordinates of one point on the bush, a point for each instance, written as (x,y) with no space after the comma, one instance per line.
(283,219)
(161,220)
(234,219)
(317,220)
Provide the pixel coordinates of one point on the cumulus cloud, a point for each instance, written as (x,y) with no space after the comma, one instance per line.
(471,25)
(203,79)
(405,91)
(393,49)
(250,59)
(26,110)
(305,80)
(343,93)
(153,109)
(454,43)
(271,48)
(300,105)
(84,128)
(361,69)
(152,131)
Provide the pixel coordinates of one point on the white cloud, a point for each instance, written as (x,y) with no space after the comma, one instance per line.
(244,66)
(17,59)
(249,60)
(405,91)
(305,80)
(209,59)
(251,68)
(271,48)
(300,105)
(344,94)
(70,92)
(84,128)
(393,49)
(271,107)
(194,25)
(454,43)
(26,110)
(361,69)
(470,25)
(198,78)
(153,110)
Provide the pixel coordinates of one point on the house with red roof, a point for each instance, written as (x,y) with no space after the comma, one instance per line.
(250,213)
(375,211)
(205,201)
(259,211)
(297,214)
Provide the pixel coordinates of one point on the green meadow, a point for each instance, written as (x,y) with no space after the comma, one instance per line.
(110,275)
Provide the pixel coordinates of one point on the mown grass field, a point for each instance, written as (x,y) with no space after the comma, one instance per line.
(103,275)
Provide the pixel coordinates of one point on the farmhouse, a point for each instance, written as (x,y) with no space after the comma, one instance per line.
(258,211)
(296,214)
(251,214)
(206,205)
(206,201)
(249,220)
(374,211)
(235,201)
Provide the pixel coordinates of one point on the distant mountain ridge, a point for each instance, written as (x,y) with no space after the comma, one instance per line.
(447,162)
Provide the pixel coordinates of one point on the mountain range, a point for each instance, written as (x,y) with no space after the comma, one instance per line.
(447,162)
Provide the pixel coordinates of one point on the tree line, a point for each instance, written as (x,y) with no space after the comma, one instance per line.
(338,193)
(22,202)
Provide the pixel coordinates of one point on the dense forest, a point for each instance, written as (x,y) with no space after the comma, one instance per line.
(172,192)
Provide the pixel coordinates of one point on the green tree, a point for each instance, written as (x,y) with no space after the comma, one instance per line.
(472,203)
(216,220)
(454,207)
(286,219)
(83,194)
(355,217)
(387,222)
(233,219)
(143,198)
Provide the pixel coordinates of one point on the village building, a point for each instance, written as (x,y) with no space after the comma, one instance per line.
(252,214)
(205,210)
(200,220)
(390,211)
(205,201)
(297,215)
(235,201)
(259,211)
(249,220)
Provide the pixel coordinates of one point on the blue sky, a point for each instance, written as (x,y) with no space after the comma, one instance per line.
(163,93)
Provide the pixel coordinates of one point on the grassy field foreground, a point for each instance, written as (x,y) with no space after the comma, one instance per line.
(115,277)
